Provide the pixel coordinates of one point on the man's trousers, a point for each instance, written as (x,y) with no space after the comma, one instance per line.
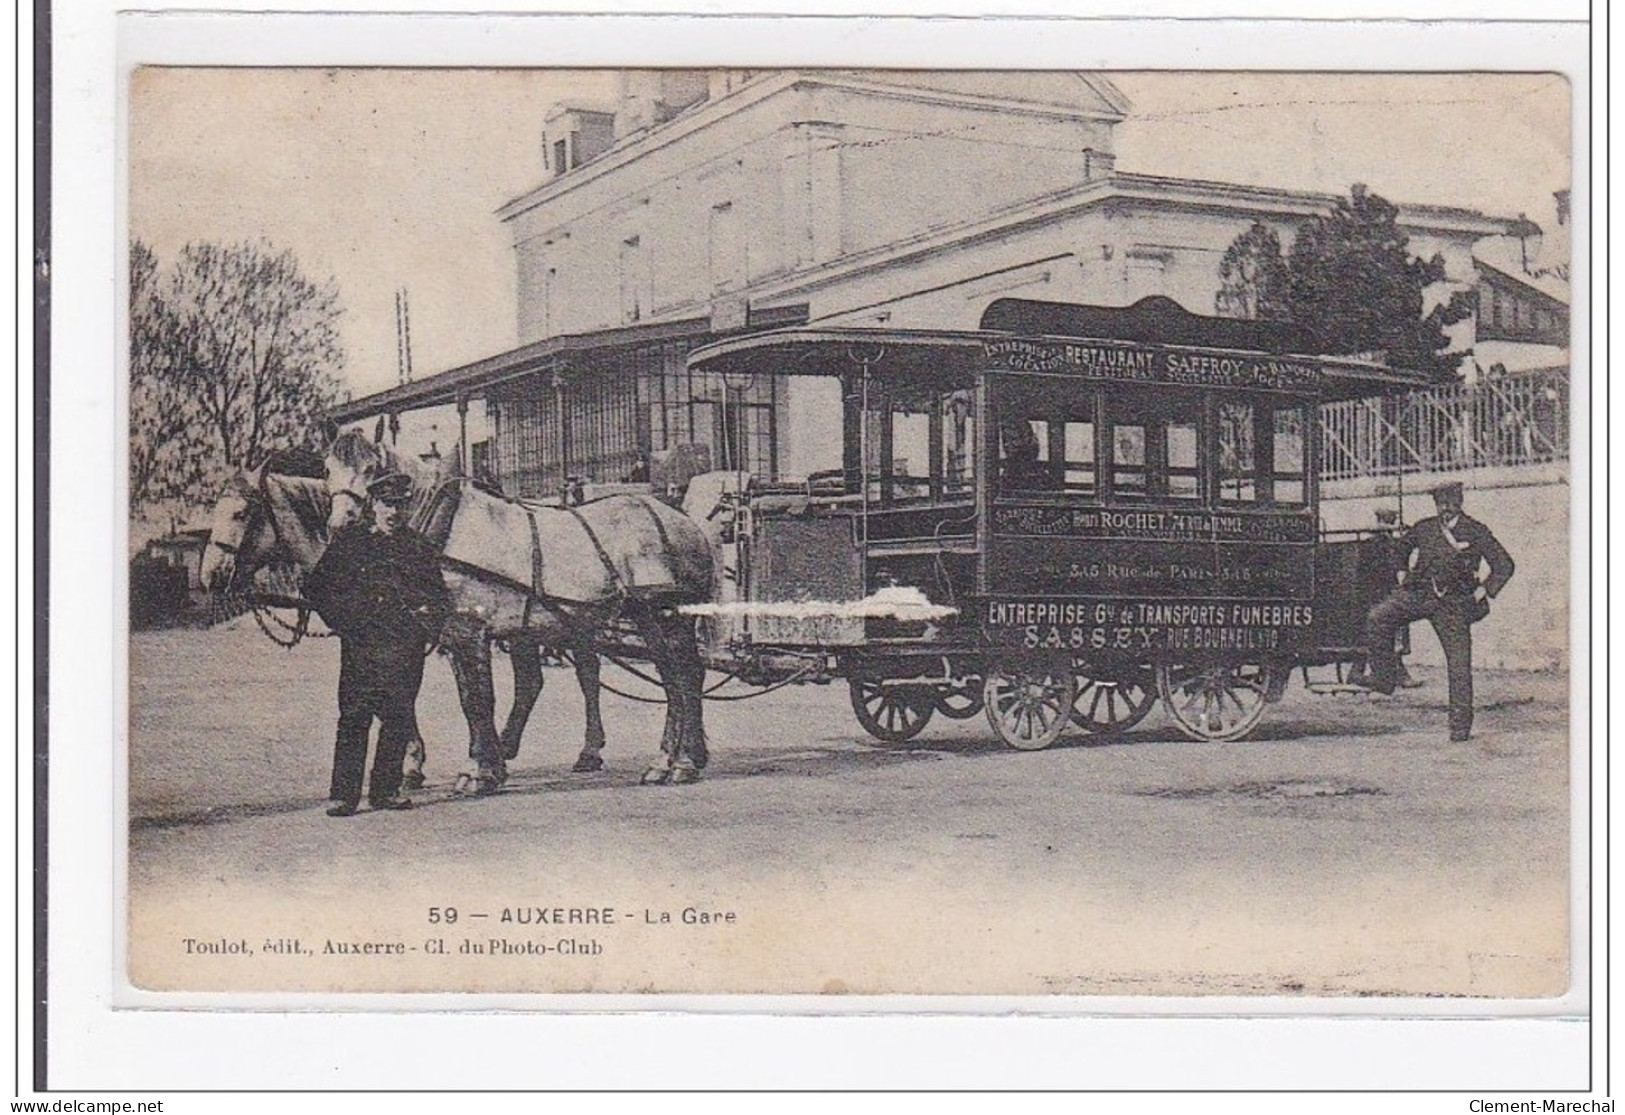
(1451,619)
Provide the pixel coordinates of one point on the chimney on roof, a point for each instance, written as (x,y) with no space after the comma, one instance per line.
(575,134)
(649,98)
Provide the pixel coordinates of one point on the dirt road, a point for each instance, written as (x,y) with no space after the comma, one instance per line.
(1346,849)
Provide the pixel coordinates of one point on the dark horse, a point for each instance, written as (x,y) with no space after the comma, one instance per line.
(536,576)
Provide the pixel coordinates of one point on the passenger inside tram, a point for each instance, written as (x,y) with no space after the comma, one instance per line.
(1023,463)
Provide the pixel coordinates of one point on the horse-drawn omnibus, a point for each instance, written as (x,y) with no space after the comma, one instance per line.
(1059,518)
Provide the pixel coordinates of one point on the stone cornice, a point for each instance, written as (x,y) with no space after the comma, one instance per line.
(1146,189)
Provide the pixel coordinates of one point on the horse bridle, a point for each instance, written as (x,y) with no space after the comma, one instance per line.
(360,497)
(264,509)
(263,615)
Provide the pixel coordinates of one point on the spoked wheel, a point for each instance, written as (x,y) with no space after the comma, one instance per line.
(1216,701)
(891,713)
(1029,708)
(961,702)
(1115,701)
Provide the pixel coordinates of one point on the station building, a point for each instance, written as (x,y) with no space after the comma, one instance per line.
(702,204)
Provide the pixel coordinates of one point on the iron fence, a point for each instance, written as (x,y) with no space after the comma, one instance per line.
(1513,419)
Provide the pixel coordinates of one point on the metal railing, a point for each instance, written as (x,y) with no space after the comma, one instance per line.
(1513,419)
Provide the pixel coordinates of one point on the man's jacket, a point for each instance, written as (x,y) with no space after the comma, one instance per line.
(1445,561)
(380,587)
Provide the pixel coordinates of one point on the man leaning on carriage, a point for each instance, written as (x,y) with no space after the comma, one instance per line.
(1453,567)
(379,587)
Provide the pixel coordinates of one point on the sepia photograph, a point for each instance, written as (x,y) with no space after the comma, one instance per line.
(848,533)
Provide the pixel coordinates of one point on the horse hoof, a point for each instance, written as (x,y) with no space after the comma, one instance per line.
(413,780)
(588,764)
(478,785)
(682,776)
(656,776)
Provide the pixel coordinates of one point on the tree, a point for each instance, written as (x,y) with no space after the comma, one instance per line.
(1253,277)
(233,353)
(1355,287)
(1351,283)
(167,456)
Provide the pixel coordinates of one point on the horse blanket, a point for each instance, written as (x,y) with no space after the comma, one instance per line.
(621,545)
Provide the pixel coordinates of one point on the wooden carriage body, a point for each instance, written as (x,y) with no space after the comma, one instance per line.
(1124,498)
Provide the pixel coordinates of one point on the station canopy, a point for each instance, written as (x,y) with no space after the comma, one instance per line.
(555,354)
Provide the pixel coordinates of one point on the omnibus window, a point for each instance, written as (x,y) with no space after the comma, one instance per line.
(1289,472)
(910,450)
(919,442)
(1078,461)
(1238,456)
(958,443)
(1156,445)
(1047,438)
(1128,458)
(1184,467)
(1040,435)
(1024,456)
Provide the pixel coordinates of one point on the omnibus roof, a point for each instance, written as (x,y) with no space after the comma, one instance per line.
(1167,343)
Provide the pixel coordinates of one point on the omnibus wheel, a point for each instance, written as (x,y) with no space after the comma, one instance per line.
(1215,702)
(891,713)
(962,701)
(1114,702)
(1029,708)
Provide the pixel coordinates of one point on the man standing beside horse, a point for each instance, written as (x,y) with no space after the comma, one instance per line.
(379,588)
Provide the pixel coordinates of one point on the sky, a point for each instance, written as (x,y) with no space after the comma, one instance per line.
(387,179)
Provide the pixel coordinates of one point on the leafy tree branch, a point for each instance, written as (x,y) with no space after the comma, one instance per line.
(234,353)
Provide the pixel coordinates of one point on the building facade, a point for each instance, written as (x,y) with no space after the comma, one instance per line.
(701,204)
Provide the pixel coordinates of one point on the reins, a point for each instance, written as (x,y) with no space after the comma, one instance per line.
(297,630)
(264,616)
(706,695)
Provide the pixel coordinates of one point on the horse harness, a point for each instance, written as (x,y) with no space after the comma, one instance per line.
(538,563)
(537,570)
(359,497)
(264,617)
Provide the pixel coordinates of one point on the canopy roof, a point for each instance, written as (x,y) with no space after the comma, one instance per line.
(473,380)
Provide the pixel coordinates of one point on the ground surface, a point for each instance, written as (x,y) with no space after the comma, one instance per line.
(1346,849)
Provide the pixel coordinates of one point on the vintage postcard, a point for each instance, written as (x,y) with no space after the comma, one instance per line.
(843,532)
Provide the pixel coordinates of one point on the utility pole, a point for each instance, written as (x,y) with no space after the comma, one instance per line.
(403,338)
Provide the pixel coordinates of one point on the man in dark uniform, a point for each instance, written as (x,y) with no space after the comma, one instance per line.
(379,588)
(1454,566)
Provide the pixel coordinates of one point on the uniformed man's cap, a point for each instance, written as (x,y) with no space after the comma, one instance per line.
(394,487)
(1448,491)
